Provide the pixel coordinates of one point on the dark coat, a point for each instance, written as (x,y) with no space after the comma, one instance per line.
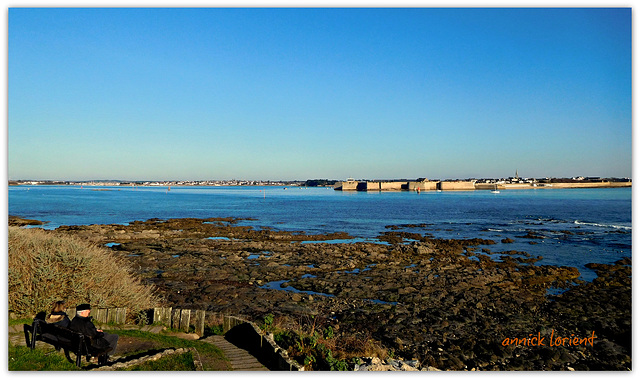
(59,318)
(87,328)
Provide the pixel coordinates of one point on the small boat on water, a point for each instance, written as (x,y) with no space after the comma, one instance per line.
(495,190)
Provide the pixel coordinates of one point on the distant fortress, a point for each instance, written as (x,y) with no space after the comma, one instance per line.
(423,184)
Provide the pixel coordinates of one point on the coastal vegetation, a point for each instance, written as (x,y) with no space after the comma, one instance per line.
(313,342)
(44,267)
(319,182)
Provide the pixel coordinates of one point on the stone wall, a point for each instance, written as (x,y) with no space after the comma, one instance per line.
(347,186)
(515,186)
(457,185)
(487,186)
(423,186)
(249,336)
(153,357)
(368,186)
(463,185)
(392,186)
(584,185)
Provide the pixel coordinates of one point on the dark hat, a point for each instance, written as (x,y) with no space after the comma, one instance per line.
(84,306)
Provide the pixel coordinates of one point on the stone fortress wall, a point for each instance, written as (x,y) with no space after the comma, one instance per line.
(426,185)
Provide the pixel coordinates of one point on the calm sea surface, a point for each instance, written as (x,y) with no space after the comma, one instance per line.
(579,226)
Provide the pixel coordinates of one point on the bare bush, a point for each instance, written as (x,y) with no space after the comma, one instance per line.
(319,344)
(45,267)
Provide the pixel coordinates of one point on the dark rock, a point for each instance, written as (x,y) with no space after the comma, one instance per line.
(451,309)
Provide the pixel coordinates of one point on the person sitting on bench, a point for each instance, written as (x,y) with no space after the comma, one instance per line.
(58,316)
(99,339)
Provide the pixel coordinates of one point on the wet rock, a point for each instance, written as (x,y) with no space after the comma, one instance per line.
(532,235)
(21,222)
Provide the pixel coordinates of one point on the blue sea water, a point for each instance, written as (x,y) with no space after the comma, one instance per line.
(577,226)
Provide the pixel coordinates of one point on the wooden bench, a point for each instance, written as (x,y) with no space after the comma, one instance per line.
(68,340)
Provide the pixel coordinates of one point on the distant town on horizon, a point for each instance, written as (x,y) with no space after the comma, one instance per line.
(308,182)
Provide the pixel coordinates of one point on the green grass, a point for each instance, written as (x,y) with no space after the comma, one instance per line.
(212,357)
(214,330)
(183,362)
(22,358)
(47,359)
(24,321)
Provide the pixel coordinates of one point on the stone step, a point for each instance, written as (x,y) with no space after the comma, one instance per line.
(244,361)
(254,368)
(238,357)
(241,360)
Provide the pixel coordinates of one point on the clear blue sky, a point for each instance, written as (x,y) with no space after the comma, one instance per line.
(318,93)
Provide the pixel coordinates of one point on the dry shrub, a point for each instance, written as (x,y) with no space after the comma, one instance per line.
(45,267)
(303,334)
(362,345)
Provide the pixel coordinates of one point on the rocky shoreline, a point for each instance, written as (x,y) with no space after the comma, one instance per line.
(441,302)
